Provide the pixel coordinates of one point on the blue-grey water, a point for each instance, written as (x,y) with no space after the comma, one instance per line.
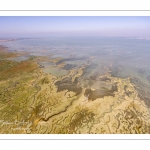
(121,57)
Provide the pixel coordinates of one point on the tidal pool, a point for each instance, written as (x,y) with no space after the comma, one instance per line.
(58,72)
(21,58)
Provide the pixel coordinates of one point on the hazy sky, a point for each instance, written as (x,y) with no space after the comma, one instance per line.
(73,26)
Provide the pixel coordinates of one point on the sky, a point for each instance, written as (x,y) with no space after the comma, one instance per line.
(55,26)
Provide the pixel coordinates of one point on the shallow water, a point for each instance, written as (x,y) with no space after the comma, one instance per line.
(122,57)
(21,58)
(58,72)
(49,67)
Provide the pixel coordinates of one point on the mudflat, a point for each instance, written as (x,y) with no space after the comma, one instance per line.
(32,101)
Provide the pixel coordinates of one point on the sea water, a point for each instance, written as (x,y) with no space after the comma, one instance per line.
(121,57)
